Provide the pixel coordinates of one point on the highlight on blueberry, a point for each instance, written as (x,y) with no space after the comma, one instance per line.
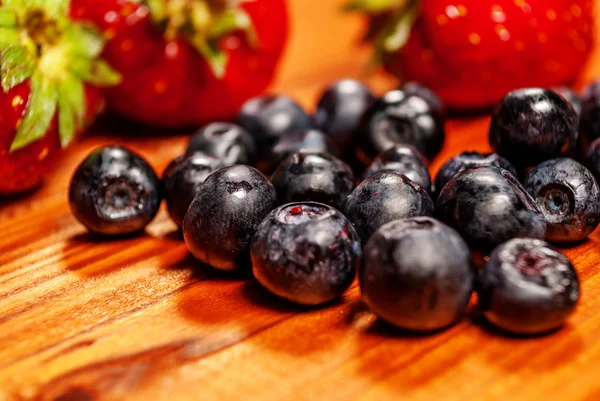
(527,287)
(385,197)
(114,191)
(305,252)
(182,179)
(567,194)
(225,214)
(317,177)
(229,142)
(417,274)
(310,141)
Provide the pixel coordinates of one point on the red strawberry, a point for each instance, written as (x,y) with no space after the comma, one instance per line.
(50,73)
(472,52)
(185,62)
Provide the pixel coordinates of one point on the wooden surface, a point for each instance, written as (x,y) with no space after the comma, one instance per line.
(137,319)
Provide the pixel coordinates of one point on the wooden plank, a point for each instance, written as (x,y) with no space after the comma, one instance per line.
(138,319)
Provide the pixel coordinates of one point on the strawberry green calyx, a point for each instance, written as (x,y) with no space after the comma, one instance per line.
(40,44)
(396,19)
(202,23)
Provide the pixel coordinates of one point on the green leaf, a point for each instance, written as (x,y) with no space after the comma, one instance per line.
(374,6)
(214,56)
(96,72)
(16,66)
(71,108)
(84,40)
(54,8)
(38,114)
(233,20)
(8,18)
(9,37)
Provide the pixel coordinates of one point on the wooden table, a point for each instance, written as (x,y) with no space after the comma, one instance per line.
(137,319)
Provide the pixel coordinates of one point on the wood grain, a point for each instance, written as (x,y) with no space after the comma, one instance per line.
(138,319)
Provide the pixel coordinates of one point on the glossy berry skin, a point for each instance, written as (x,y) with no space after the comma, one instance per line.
(382,198)
(567,194)
(114,191)
(411,88)
(340,109)
(590,112)
(572,97)
(225,214)
(532,125)
(311,141)
(229,142)
(527,287)
(400,119)
(268,118)
(466,160)
(178,88)
(306,252)
(316,177)
(472,53)
(403,159)
(182,179)
(488,206)
(417,274)
(592,159)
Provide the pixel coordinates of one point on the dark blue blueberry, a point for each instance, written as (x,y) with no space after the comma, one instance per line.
(417,89)
(403,159)
(114,191)
(592,159)
(385,197)
(229,142)
(467,160)
(306,253)
(571,96)
(225,214)
(417,274)
(590,112)
(488,206)
(527,287)
(532,125)
(182,179)
(567,194)
(317,177)
(340,109)
(313,141)
(400,119)
(268,118)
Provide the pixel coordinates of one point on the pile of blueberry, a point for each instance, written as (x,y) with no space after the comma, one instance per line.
(420,247)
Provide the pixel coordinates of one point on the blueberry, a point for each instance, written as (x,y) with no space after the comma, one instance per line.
(399,119)
(590,112)
(527,287)
(313,141)
(417,89)
(592,159)
(417,274)
(182,179)
(567,194)
(532,125)
(385,197)
(229,142)
(340,109)
(306,253)
(317,177)
(571,97)
(403,159)
(114,191)
(488,206)
(268,118)
(225,214)
(467,160)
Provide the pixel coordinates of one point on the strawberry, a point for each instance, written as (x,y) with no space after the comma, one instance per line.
(50,74)
(472,52)
(185,62)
